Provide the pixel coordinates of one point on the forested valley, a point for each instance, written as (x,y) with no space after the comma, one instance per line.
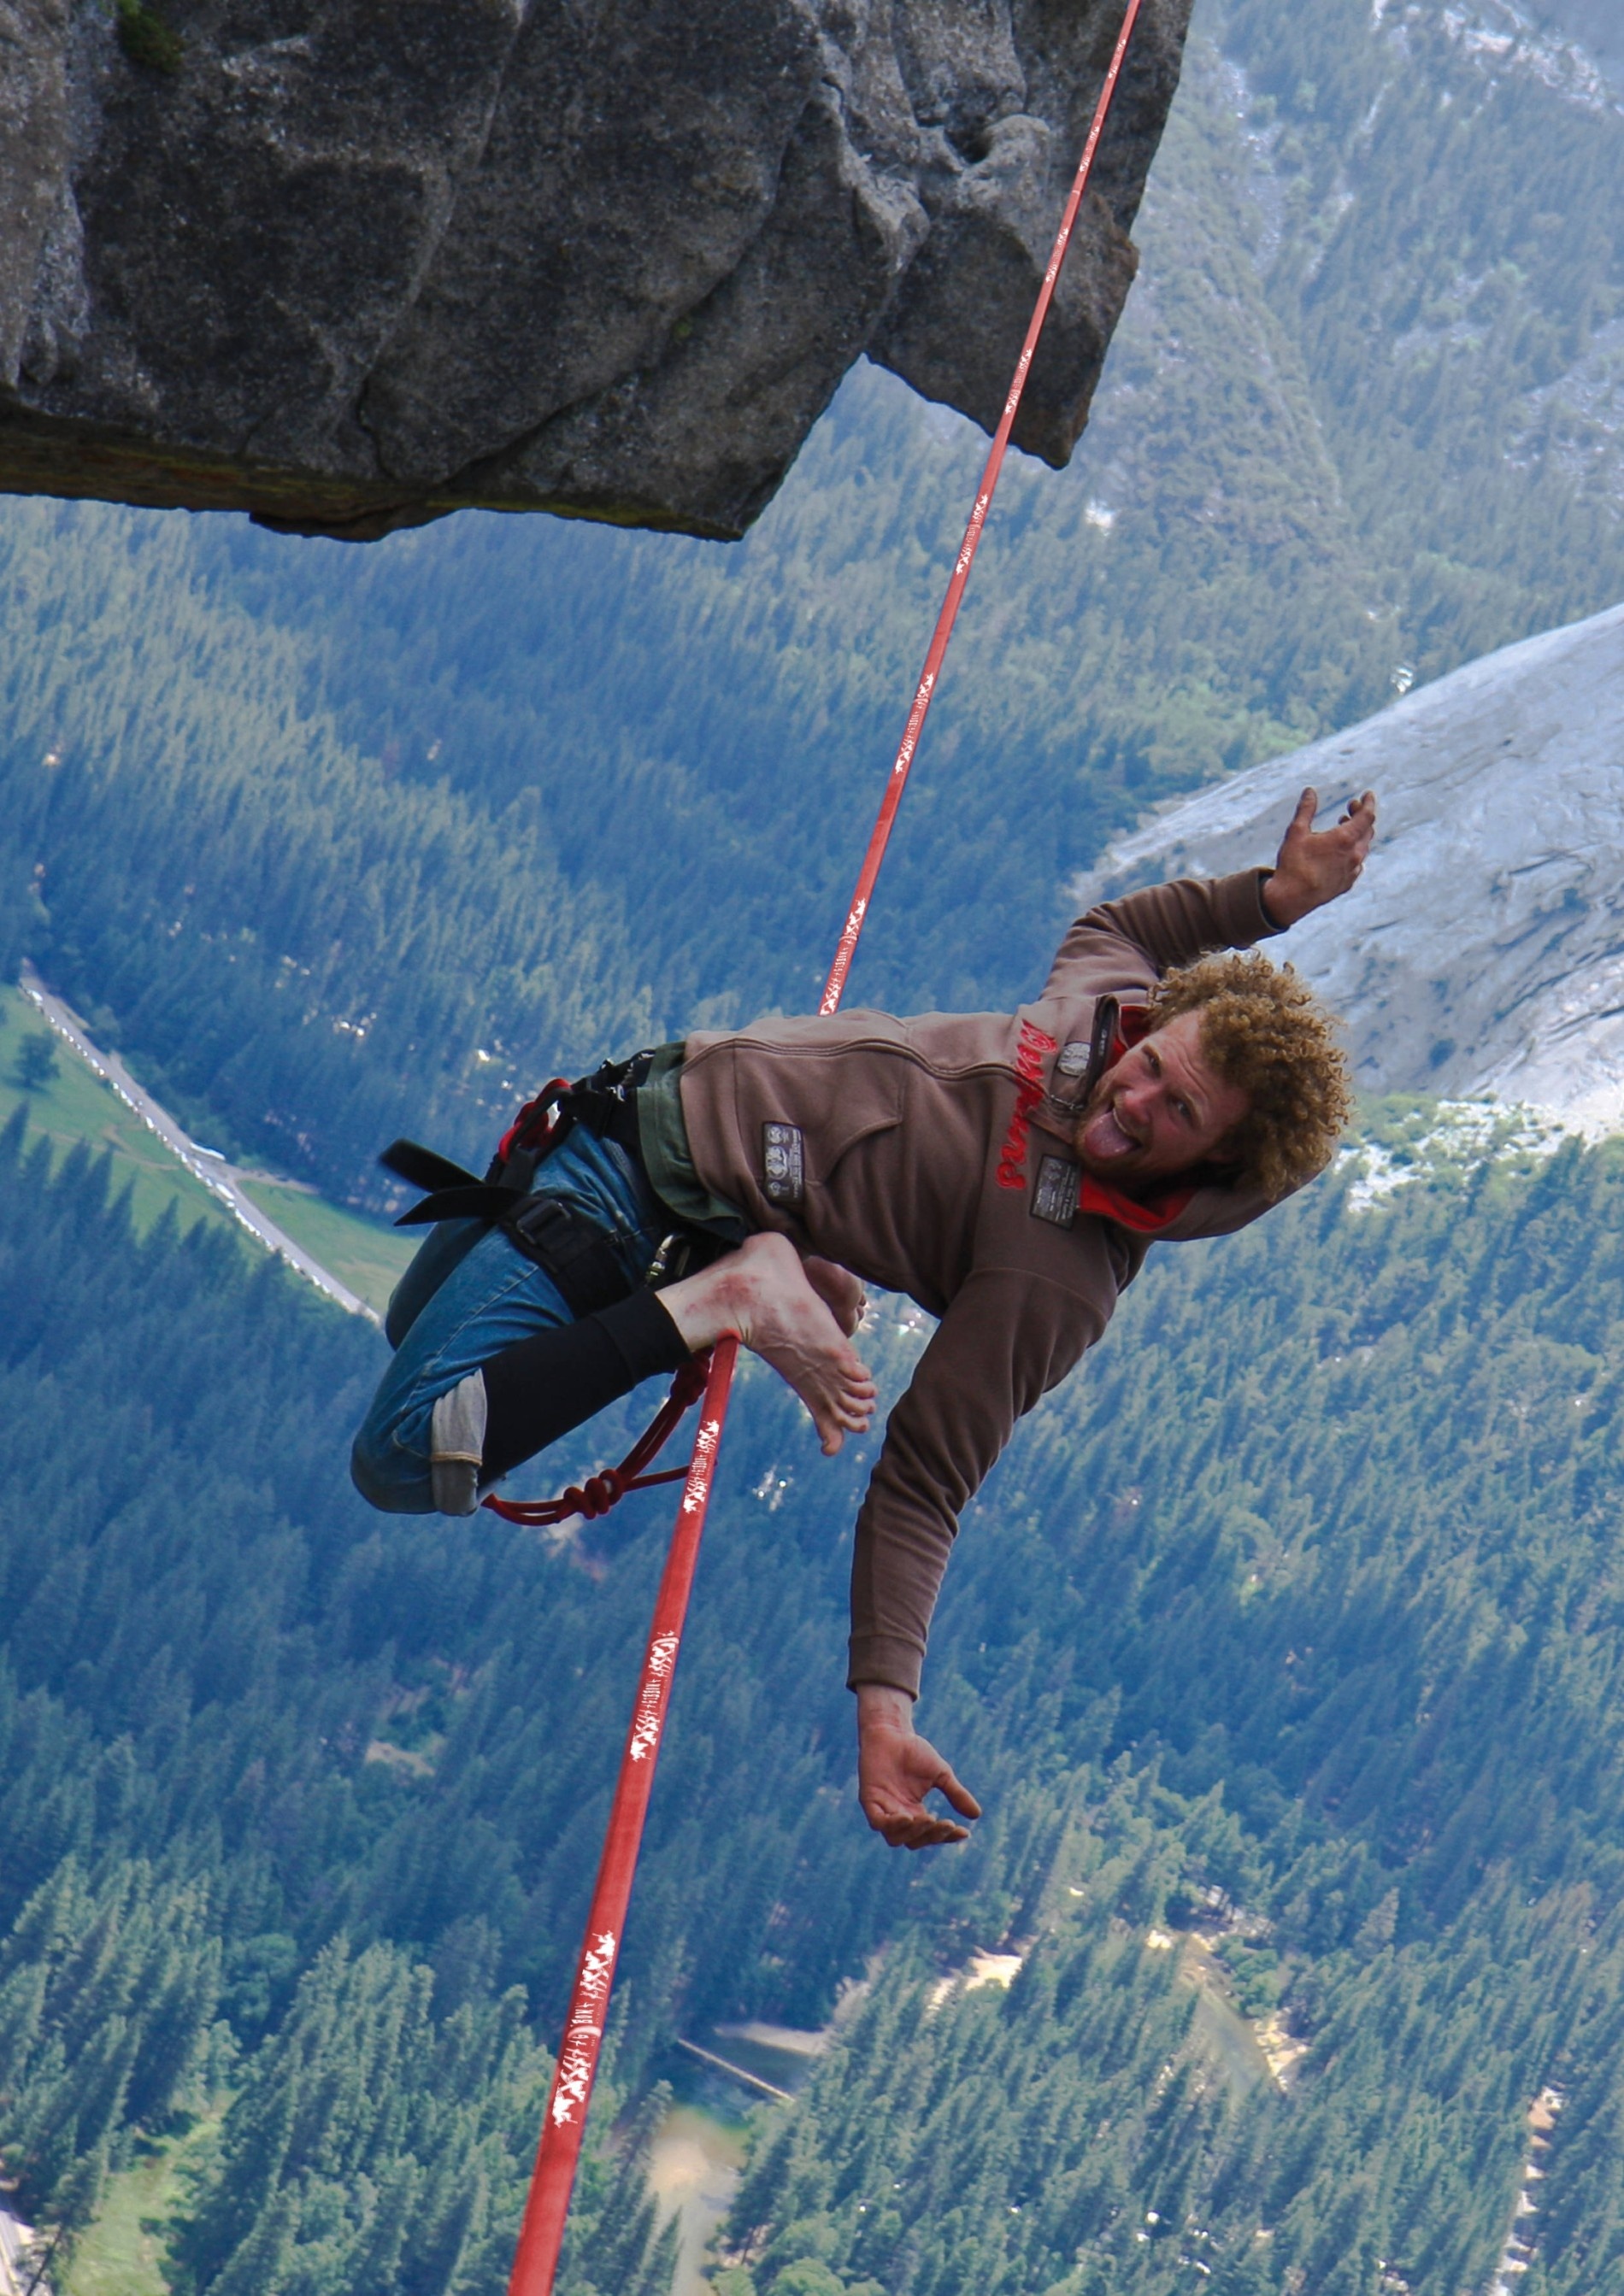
(1304,1604)
(1283,1649)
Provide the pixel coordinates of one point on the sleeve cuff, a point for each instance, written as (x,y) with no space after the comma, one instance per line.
(1246,917)
(884,1659)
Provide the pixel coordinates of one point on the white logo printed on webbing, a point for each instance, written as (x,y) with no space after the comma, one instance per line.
(650,1697)
(843,954)
(698,1474)
(578,2056)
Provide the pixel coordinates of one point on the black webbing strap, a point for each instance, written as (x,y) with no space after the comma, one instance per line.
(581,1260)
(486,1200)
(423,1169)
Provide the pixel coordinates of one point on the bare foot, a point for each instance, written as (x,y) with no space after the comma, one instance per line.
(761,1295)
(841,1290)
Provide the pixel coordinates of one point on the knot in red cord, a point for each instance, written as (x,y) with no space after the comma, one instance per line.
(597,1493)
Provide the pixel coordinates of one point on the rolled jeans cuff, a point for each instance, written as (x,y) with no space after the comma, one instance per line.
(457,1446)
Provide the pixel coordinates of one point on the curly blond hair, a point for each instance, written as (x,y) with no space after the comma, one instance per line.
(1265,1032)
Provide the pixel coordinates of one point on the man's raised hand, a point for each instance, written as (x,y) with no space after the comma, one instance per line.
(1314,865)
(895,1770)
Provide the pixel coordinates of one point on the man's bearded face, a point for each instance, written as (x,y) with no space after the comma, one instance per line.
(1161,1111)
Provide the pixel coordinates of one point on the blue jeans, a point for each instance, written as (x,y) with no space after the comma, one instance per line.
(469,1293)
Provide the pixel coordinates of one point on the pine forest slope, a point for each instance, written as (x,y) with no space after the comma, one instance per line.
(397,831)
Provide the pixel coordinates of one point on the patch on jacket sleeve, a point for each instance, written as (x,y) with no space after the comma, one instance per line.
(784,1163)
(1055,1197)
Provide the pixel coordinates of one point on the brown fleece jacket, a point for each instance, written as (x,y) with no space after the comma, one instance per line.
(933,1156)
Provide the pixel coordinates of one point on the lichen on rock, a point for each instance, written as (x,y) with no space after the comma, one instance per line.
(350,266)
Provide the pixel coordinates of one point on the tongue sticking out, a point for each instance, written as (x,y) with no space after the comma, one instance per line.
(1106,1137)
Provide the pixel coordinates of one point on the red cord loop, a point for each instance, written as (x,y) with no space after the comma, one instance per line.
(689,1384)
(607,1488)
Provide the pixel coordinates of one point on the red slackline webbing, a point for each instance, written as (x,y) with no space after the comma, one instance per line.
(834,987)
(541,2235)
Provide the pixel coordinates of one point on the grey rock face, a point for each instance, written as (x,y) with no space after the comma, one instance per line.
(33,154)
(1597,25)
(1483,949)
(353,264)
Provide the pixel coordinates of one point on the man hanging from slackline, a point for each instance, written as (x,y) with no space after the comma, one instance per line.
(1006,1171)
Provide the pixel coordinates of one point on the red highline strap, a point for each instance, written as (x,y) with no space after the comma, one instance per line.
(541,2235)
(924,693)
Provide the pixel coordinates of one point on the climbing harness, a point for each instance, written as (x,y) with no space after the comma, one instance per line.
(579,1257)
(542,2232)
(582,1260)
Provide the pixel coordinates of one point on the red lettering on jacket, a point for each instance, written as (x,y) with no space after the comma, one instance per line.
(1029,1052)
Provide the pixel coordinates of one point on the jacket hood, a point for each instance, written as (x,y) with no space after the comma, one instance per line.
(1217,1210)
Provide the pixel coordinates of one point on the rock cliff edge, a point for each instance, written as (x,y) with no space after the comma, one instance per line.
(351,264)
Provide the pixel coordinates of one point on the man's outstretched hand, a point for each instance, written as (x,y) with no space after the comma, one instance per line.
(1315,864)
(895,1770)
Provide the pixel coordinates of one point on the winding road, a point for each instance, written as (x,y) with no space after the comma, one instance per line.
(222,1179)
(15,2272)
